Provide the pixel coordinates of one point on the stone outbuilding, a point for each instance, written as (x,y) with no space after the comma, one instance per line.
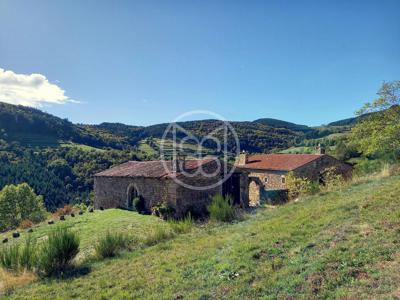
(177,184)
(267,172)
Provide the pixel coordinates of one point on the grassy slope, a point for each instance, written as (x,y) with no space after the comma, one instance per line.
(341,243)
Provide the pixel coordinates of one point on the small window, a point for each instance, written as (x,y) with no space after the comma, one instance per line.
(283,179)
(265,179)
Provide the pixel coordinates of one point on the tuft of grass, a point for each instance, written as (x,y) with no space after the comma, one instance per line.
(157,235)
(221,209)
(111,244)
(182,226)
(58,252)
(16,258)
(9,257)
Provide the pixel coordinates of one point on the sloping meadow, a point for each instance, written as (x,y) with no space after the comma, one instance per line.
(342,243)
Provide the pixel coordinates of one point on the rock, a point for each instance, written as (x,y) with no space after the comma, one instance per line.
(91,210)
(16,235)
(62,218)
(5,240)
(81,212)
(73,215)
(30,230)
(51,222)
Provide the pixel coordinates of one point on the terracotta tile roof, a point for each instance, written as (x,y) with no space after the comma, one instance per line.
(151,169)
(278,162)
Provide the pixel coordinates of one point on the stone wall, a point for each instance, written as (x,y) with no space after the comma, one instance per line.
(270,180)
(111,192)
(313,169)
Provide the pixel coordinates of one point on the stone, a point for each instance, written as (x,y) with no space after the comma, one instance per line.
(73,215)
(5,240)
(30,230)
(16,235)
(51,222)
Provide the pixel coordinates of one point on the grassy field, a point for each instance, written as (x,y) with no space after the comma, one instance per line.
(80,147)
(344,244)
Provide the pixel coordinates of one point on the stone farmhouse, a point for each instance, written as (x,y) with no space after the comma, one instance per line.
(179,184)
(175,183)
(267,172)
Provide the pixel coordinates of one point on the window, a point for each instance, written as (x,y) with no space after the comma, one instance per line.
(283,178)
(265,179)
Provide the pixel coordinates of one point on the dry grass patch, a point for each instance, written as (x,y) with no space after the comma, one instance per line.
(10,280)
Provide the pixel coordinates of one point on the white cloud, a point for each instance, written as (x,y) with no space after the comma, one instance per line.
(30,90)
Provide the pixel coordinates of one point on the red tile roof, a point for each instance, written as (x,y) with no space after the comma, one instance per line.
(278,162)
(151,169)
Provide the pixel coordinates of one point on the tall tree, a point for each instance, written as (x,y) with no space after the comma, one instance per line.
(378,131)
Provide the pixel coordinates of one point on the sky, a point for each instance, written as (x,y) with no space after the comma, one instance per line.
(147,62)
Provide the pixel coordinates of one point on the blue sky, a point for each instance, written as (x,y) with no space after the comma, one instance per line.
(146,62)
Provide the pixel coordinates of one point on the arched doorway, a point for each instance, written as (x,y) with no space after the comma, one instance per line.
(132,193)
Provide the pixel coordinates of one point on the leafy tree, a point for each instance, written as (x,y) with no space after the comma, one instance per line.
(30,206)
(8,208)
(378,132)
(17,203)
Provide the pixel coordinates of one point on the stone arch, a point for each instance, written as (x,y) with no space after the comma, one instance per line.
(255,185)
(132,192)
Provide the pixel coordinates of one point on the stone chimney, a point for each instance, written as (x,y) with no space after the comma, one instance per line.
(178,162)
(243,158)
(320,149)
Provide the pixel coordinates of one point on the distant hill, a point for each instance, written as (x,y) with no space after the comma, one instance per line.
(283,124)
(344,122)
(32,127)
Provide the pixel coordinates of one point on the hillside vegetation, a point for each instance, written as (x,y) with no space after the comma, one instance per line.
(58,158)
(344,243)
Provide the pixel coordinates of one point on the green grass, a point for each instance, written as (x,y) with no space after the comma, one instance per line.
(81,147)
(343,243)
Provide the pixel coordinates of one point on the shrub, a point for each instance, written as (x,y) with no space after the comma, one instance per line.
(16,257)
(58,252)
(221,209)
(298,186)
(163,211)
(332,180)
(182,226)
(139,204)
(25,224)
(17,203)
(111,244)
(66,210)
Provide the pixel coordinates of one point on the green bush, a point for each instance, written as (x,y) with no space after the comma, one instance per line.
(298,186)
(182,226)
(221,209)
(139,204)
(163,211)
(111,244)
(16,257)
(17,203)
(58,252)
